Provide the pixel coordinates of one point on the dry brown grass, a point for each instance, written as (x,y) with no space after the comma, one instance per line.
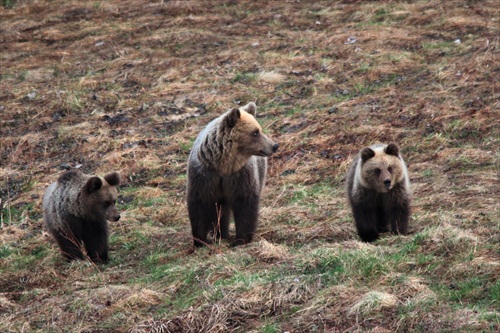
(127,85)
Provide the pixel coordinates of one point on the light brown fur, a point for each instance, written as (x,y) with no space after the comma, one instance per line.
(227,148)
(241,145)
(389,167)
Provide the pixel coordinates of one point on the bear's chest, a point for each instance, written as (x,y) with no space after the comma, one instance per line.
(230,186)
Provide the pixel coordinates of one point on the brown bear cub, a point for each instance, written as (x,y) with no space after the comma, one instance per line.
(378,189)
(76,209)
(226,174)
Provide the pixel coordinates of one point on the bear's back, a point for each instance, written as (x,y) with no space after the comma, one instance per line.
(60,197)
(48,195)
(201,138)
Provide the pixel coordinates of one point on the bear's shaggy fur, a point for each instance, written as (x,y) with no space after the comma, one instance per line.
(226,174)
(378,189)
(76,209)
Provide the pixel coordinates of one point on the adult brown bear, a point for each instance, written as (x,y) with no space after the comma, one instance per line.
(226,174)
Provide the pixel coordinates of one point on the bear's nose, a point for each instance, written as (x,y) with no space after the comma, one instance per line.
(387,183)
(275,147)
(118,217)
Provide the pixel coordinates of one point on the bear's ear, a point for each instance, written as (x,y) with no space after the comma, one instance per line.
(92,185)
(232,117)
(113,178)
(250,108)
(392,149)
(366,154)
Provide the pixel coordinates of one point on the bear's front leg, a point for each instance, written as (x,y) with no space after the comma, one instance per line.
(246,213)
(399,215)
(382,222)
(397,210)
(70,247)
(95,238)
(70,242)
(365,217)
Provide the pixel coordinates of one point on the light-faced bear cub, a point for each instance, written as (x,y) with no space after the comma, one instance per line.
(378,189)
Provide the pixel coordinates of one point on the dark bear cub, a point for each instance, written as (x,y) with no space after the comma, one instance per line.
(226,174)
(378,189)
(76,209)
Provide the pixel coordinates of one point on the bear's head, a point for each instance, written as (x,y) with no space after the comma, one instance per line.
(100,196)
(246,134)
(381,167)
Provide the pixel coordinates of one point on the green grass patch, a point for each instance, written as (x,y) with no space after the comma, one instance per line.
(75,101)
(310,195)
(293,111)
(186,146)
(244,78)
(6,251)
(358,89)
(12,215)
(439,45)
(23,75)
(470,291)
(40,252)
(359,266)
(271,328)
(186,280)
(138,197)
(494,292)
(26,261)
(328,264)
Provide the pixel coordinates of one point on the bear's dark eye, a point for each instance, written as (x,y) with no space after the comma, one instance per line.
(377,171)
(390,169)
(255,133)
(107,203)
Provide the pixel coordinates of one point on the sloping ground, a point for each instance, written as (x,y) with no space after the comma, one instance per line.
(127,85)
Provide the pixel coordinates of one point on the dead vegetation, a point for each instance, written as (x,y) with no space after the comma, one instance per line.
(127,85)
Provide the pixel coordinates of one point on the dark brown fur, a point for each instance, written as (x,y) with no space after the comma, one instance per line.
(226,173)
(76,209)
(378,191)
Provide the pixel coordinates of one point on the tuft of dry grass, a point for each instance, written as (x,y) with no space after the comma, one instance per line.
(371,302)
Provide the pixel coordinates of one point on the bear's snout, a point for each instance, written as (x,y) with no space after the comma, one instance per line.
(268,147)
(113,217)
(387,183)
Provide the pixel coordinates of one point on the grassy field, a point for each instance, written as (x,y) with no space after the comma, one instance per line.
(127,85)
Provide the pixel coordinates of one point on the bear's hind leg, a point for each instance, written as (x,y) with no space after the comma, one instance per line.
(246,213)
(202,217)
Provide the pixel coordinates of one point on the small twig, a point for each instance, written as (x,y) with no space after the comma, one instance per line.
(8,201)
(219,214)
